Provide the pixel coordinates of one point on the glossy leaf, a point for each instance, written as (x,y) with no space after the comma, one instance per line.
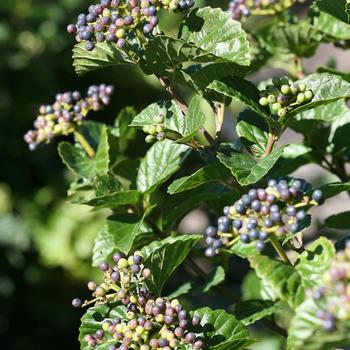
(326,88)
(334,8)
(216,276)
(242,90)
(244,167)
(163,257)
(184,289)
(104,55)
(211,173)
(221,330)
(334,188)
(339,221)
(333,27)
(161,161)
(315,261)
(92,322)
(214,31)
(250,311)
(283,279)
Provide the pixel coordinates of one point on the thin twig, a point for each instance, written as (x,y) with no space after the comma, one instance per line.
(179,100)
(270,143)
(82,140)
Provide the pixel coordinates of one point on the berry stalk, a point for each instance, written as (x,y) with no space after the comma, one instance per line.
(82,140)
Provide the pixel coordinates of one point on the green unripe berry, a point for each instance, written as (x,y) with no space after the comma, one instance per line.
(136,337)
(144,347)
(119,328)
(126,279)
(271,99)
(100,292)
(160,128)
(270,89)
(105,326)
(130,315)
(150,138)
(166,2)
(160,318)
(140,330)
(159,119)
(276,81)
(301,97)
(106,13)
(263,101)
(145,128)
(123,263)
(133,299)
(131,260)
(174,303)
(308,95)
(284,81)
(285,89)
(294,89)
(302,87)
(276,107)
(282,112)
(152,130)
(120,33)
(128,334)
(146,273)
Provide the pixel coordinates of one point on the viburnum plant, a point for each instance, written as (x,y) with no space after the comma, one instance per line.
(300,289)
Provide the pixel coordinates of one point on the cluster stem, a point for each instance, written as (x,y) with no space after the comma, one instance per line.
(279,249)
(82,140)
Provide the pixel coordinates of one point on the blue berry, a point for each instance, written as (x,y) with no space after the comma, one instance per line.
(239,207)
(293,228)
(253,194)
(246,199)
(211,231)
(244,238)
(77,303)
(301,215)
(237,224)
(272,183)
(260,245)
(291,210)
(263,235)
(253,234)
(210,252)
(256,205)
(89,45)
(224,227)
(317,195)
(268,223)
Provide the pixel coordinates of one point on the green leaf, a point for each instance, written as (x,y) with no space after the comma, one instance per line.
(184,289)
(333,27)
(339,221)
(250,311)
(214,31)
(92,322)
(251,286)
(334,8)
(282,279)
(163,257)
(174,120)
(217,195)
(244,167)
(125,228)
(294,156)
(161,161)
(300,39)
(123,232)
(326,88)
(216,276)
(253,132)
(241,89)
(315,261)
(121,125)
(114,200)
(215,172)
(76,158)
(335,188)
(104,55)
(307,332)
(325,113)
(164,55)
(221,330)
(243,250)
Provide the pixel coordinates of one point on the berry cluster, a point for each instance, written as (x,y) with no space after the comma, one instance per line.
(68,111)
(155,132)
(112,20)
(333,295)
(151,323)
(278,209)
(282,96)
(244,8)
